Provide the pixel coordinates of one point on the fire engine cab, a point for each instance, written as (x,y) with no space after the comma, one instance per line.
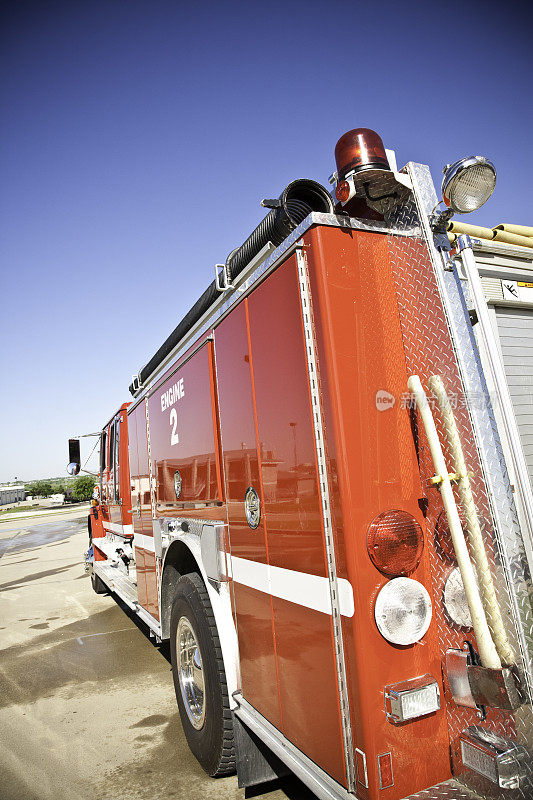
(320,492)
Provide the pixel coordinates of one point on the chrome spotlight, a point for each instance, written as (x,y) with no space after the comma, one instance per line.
(468,183)
(466,186)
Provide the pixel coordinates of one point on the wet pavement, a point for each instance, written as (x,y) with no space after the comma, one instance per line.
(87,705)
(27,536)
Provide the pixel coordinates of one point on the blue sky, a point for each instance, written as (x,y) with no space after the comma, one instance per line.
(138,139)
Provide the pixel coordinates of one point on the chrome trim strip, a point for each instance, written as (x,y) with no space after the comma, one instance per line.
(151,621)
(314,386)
(325,787)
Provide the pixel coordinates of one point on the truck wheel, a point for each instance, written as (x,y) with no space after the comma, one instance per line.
(98,584)
(199,677)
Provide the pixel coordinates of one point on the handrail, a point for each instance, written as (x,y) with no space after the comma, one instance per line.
(477,545)
(487,650)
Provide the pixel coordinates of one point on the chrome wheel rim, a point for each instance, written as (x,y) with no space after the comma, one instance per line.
(190,673)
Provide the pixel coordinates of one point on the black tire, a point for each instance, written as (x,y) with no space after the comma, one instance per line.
(98,584)
(212,744)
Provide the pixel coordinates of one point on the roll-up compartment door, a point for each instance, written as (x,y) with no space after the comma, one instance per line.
(515,329)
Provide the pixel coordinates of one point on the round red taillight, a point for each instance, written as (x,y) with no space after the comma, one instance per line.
(342,191)
(395,543)
(360,149)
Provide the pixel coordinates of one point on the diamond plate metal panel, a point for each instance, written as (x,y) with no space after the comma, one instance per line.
(438,339)
(450,790)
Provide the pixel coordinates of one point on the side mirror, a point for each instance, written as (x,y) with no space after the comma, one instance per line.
(74,457)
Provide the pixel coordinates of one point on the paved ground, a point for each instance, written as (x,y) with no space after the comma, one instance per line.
(87,705)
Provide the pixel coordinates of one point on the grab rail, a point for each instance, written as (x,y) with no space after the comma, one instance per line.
(487,650)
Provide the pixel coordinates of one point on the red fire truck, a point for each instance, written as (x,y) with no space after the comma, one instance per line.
(320,493)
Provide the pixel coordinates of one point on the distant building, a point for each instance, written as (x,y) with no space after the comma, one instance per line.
(11,494)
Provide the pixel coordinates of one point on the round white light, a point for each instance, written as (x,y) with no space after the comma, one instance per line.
(468,183)
(403,611)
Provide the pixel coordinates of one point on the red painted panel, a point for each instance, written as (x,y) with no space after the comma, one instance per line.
(238,434)
(182,436)
(97,529)
(374,468)
(293,517)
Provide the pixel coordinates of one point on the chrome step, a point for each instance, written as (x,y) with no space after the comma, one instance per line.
(118,582)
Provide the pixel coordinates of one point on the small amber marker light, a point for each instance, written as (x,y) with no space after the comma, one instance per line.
(343,191)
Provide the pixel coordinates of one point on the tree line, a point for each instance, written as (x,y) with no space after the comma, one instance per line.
(81,489)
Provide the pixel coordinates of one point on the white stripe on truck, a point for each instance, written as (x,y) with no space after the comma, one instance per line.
(122,530)
(311,591)
(146,542)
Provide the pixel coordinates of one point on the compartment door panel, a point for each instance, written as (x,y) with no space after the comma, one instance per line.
(293,519)
(253,606)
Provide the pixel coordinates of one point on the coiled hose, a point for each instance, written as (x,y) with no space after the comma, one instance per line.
(297,201)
